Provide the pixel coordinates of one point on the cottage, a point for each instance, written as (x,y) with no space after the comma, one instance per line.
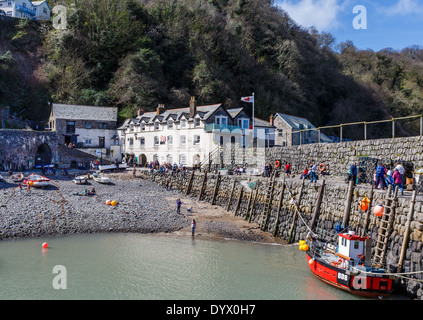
(84,126)
(26,9)
(292,130)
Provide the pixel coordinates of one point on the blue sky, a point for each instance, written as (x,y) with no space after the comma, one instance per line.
(390,23)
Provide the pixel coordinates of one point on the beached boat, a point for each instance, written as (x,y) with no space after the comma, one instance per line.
(17,177)
(80,180)
(37,180)
(348,266)
(120,166)
(101,179)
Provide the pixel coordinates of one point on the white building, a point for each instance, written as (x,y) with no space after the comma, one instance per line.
(26,9)
(188,136)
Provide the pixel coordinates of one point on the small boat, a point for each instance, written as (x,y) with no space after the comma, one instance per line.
(1,179)
(80,180)
(348,266)
(17,177)
(37,180)
(101,179)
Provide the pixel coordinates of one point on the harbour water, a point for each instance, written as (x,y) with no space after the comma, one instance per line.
(156,267)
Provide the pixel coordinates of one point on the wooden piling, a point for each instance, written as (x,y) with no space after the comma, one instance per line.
(279,208)
(297,209)
(347,209)
(407,231)
(318,203)
(254,203)
(216,189)
(249,203)
(188,189)
(230,197)
(241,191)
(368,211)
(203,184)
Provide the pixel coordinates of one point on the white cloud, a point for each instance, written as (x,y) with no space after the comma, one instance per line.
(404,7)
(323,14)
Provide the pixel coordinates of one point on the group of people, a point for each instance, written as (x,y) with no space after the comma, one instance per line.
(385,176)
(167,168)
(310,172)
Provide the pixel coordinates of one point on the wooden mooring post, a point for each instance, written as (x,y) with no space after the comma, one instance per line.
(279,208)
(230,197)
(318,204)
(203,184)
(407,231)
(297,209)
(216,189)
(241,191)
(254,203)
(347,209)
(188,189)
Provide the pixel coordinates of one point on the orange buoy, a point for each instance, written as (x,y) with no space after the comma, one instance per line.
(364,204)
(45,245)
(378,210)
(108,202)
(322,167)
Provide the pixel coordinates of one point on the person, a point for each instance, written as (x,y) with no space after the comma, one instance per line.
(266,171)
(20,188)
(313,172)
(305,174)
(288,169)
(193,225)
(353,173)
(389,178)
(401,170)
(398,180)
(178,206)
(380,176)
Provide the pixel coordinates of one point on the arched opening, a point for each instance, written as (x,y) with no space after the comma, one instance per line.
(43,156)
(142,160)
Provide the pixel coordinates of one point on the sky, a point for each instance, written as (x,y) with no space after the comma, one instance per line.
(369,24)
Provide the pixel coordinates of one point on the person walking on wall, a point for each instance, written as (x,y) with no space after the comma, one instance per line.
(401,170)
(353,173)
(380,176)
(313,172)
(398,180)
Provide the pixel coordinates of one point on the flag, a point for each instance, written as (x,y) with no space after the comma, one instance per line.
(248,99)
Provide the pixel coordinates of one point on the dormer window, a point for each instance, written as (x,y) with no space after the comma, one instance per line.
(183,123)
(156,125)
(196,122)
(170,124)
(222,120)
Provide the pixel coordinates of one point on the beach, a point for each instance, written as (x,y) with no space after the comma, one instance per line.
(142,207)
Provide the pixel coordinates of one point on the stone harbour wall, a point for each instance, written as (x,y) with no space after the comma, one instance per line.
(338,157)
(225,191)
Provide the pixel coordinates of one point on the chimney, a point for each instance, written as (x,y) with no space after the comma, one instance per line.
(192,107)
(160,109)
(140,112)
(272,120)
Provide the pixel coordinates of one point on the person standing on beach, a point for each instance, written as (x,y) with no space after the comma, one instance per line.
(178,206)
(20,188)
(193,225)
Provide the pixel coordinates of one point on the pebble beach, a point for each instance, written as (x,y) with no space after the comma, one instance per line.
(142,207)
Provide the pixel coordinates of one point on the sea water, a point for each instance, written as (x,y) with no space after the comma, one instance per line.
(156,267)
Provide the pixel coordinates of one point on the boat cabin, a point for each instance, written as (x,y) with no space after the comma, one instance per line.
(354,248)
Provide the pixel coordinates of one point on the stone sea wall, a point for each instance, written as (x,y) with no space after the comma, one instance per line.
(339,156)
(281,221)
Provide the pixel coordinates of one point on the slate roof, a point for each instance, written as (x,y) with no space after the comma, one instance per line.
(78,112)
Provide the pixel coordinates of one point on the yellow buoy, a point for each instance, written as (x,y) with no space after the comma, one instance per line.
(113,203)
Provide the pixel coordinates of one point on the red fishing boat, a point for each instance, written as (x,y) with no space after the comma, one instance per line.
(347,266)
(36,180)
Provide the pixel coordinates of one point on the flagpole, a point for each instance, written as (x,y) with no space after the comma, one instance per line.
(254,100)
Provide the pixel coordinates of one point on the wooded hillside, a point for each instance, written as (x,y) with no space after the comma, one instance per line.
(138,53)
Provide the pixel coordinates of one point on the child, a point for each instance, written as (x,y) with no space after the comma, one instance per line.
(193,225)
(178,204)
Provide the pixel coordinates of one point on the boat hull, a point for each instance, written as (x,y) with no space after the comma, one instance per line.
(370,286)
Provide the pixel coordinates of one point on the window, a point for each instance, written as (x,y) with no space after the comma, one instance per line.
(221,120)
(142,141)
(88,142)
(131,142)
(169,159)
(280,133)
(142,125)
(196,139)
(70,127)
(156,141)
(244,123)
(170,124)
(183,159)
(45,10)
(156,125)
(169,140)
(103,125)
(87,124)
(183,139)
(196,122)
(356,244)
(155,157)
(183,123)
